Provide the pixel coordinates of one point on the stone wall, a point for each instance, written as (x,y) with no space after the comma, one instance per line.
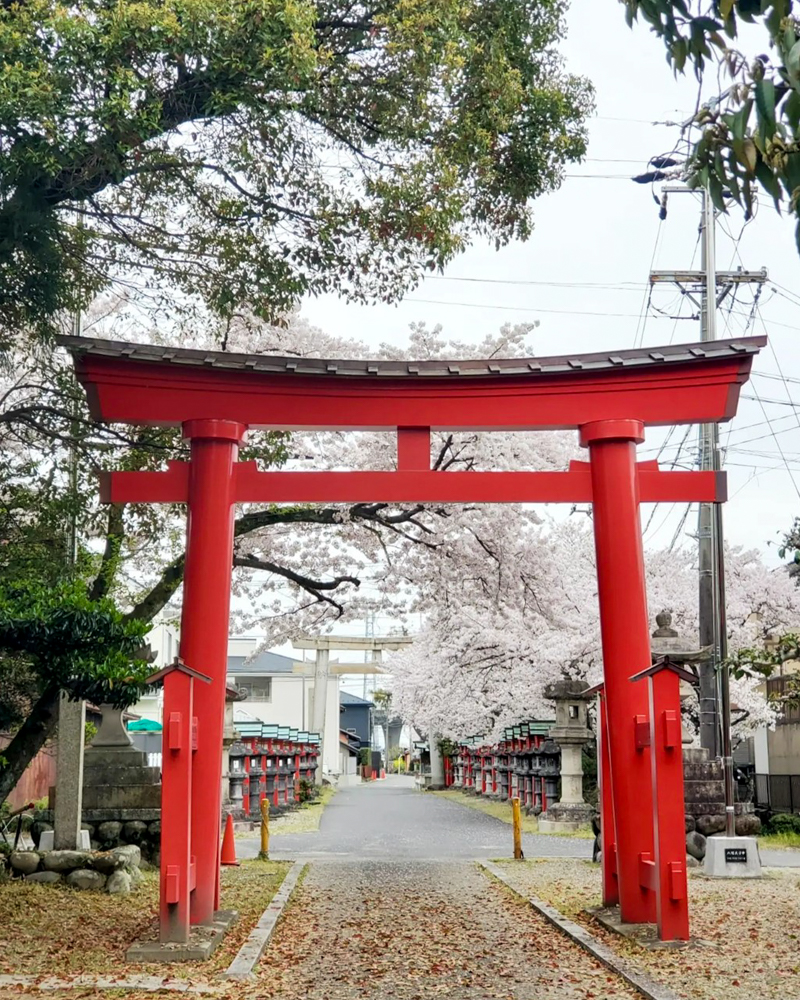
(140,828)
(116,871)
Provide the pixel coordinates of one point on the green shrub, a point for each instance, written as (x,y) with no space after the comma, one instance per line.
(784,823)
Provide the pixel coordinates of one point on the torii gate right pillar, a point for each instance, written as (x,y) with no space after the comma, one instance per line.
(626,643)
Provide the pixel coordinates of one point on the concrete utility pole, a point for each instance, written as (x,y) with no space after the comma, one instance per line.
(708,289)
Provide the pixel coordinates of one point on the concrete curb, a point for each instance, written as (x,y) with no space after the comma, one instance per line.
(251,951)
(146,984)
(639,980)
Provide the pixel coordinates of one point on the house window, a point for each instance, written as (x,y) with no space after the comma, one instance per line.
(262,689)
(245,689)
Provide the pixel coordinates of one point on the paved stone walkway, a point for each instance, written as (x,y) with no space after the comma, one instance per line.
(414,930)
(391,819)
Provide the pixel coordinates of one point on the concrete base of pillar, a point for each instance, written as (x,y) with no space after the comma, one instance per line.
(566,817)
(732,857)
(204,939)
(46,841)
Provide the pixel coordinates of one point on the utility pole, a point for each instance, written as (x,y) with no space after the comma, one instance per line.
(707,288)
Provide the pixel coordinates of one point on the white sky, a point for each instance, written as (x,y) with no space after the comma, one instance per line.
(600,228)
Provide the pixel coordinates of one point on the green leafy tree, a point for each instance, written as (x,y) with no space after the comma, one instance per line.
(749,136)
(69,643)
(255,151)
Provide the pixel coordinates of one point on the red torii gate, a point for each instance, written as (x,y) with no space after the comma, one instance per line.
(609,398)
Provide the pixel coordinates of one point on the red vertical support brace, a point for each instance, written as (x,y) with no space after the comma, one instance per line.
(204,633)
(666,752)
(607,843)
(626,646)
(176,796)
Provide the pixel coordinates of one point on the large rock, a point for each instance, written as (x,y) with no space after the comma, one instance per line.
(25,862)
(711,824)
(692,862)
(696,845)
(109,832)
(47,877)
(134,831)
(748,825)
(130,854)
(119,884)
(135,875)
(689,823)
(107,862)
(85,878)
(154,829)
(65,861)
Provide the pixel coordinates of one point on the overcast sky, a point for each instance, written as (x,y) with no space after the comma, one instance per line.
(583,276)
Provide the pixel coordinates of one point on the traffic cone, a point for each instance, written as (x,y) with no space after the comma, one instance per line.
(228,846)
(383,774)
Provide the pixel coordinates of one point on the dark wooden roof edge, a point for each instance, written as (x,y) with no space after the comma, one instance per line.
(279,364)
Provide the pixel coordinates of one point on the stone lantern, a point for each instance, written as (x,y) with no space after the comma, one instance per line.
(571,732)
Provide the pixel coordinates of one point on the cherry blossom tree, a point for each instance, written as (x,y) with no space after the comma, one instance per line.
(491,643)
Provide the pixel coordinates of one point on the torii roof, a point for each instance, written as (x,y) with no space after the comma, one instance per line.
(146,383)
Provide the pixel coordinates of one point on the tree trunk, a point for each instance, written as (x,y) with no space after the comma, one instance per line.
(29,740)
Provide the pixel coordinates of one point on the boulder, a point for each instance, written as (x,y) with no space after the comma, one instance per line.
(119,884)
(107,862)
(689,823)
(711,824)
(154,829)
(65,861)
(135,875)
(696,845)
(134,831)
(85,878)
(109,832)
(25,862)
(48,877)
(748,825)
(692,862)
(130,854)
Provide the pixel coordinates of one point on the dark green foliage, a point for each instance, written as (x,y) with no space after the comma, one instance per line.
(81,646)
(251,152)
(783,823)
(751,137)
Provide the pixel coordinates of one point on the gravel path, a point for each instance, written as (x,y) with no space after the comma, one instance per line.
(745,930)
(391,819)
(396,930)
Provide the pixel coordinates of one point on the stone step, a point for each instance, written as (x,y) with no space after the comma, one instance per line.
(710,770)
(105,774)
(123,797)
(715,808)
(704,791)
(695,755)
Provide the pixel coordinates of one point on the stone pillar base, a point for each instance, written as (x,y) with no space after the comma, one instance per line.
(732,857)
(566,817)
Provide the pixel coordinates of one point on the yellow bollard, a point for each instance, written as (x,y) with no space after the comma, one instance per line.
(518,855)
(264,852)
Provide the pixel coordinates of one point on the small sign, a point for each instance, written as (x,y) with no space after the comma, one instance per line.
(737,855)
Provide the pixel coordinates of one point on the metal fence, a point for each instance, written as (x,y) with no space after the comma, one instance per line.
(778,792)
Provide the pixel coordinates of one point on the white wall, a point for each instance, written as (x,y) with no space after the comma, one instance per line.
(285,708)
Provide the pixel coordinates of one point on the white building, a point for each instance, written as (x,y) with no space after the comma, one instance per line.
(163,639)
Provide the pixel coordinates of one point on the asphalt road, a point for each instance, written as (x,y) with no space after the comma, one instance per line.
(392,820)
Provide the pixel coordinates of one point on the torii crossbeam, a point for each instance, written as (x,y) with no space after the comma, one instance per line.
(609,398)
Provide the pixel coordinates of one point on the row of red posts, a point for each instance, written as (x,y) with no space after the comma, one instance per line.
(524,765)
(271,762)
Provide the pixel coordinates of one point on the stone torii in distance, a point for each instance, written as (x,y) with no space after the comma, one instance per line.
(323,668)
